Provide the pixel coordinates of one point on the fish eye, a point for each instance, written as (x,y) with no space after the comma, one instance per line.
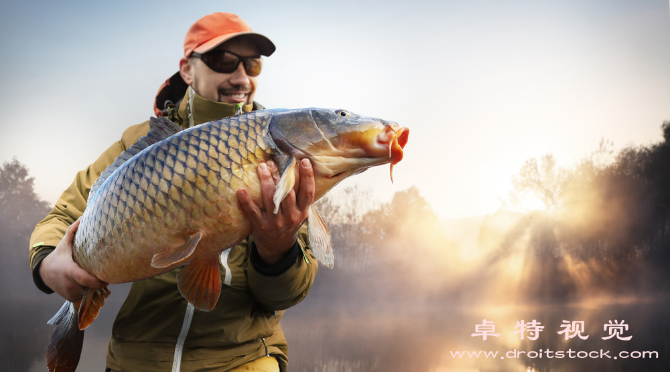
(342,113)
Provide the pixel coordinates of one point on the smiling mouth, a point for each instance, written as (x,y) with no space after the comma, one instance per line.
(235,95)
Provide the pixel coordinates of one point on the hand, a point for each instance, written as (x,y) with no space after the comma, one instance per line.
(60,273)
(275,234)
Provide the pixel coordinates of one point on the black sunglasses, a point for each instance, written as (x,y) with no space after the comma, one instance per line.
(227,62)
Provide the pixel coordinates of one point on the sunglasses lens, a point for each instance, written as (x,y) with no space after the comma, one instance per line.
(220,62)
(226,62)
(252,66)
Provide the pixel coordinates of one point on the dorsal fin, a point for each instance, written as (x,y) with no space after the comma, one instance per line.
(159,129)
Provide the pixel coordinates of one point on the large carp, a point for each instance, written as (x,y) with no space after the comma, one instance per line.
(171,200)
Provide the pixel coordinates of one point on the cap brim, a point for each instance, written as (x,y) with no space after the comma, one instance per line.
(265,46)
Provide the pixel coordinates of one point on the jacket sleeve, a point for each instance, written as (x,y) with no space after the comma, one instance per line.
(279,291)
(72,203)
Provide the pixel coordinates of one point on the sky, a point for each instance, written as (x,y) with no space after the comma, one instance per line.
(482,85)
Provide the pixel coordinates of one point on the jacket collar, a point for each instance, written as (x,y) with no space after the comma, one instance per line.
(194,110)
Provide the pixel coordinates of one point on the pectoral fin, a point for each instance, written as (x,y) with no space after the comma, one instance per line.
(91,303)
(319,238)
(200,282)
(286,182)
(168,258)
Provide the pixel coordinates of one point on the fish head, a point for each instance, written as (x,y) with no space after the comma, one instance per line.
(338,142)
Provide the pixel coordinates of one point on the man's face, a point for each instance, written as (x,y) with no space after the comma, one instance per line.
(234,87)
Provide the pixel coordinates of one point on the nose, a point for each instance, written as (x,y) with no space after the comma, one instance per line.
(239,76)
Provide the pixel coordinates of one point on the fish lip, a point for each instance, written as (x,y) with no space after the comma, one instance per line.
(401,136)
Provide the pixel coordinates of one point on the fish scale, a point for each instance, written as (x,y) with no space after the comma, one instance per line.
(162,195)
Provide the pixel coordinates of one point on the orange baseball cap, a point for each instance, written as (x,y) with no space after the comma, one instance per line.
(212,30)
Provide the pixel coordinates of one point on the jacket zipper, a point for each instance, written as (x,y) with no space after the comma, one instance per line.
(228,276)
(179,347)
(266,347)
(188,317)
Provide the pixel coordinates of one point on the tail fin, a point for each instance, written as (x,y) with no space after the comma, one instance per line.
(67,340)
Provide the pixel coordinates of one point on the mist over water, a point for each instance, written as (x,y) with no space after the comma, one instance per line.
(585,244)
(589,243)
(424,340)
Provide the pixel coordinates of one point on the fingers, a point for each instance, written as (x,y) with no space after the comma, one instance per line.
(275,172)
(64,276)
(307,185)
(268,177)
(292,210)
(74,288)
(274,234)
(72,291)
(250,208)
(84,279)
(288,205)
(267,187)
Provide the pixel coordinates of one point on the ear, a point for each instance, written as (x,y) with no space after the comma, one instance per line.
(186,70)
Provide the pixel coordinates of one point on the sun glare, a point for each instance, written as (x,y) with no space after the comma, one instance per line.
(530,203)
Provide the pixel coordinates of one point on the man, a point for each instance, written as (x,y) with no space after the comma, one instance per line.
(156,329)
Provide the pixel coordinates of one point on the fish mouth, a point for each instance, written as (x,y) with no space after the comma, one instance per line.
(337,152)
(373,148)
(395,137)
(398,144)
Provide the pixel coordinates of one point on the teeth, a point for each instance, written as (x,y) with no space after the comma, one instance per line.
(236,95)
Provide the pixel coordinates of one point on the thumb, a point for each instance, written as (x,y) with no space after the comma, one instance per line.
(72,230)
(67,242)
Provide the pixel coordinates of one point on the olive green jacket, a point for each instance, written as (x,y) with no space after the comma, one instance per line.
(156,327)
